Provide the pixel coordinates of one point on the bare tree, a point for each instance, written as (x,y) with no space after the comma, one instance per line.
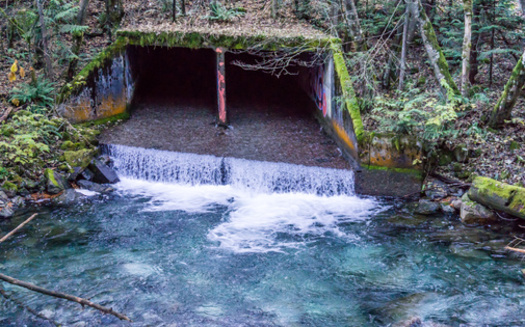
(404,46)
(467,46)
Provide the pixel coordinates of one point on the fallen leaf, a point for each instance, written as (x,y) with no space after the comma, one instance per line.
(16,102)
(14,67)
(22,72)
(11,76)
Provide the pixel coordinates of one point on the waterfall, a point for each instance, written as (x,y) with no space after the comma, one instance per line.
(194,169)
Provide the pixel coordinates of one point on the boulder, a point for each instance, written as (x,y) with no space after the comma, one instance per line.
(427,207)
(7,212)
(103,174)
(499,196)
(55,182)
(456,204)
(69,197)
(473,213)
(447,208)
(436,189)
(100,188)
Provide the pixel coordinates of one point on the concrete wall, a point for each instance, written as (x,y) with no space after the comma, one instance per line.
(323,87)
(107,92)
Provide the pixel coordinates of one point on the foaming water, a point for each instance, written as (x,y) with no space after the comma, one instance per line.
(270,206)
(254,221)
(193,169)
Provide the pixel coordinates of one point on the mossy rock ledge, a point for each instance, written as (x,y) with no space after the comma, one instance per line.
(499,196)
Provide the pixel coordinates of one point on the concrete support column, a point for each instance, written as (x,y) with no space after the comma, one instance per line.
(221,86)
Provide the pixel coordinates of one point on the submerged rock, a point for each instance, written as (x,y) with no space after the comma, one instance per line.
(103,174)
(474,213)
(100,188)
(55,182)
(427,207)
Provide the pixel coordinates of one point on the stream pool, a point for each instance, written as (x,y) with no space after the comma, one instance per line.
(169,254)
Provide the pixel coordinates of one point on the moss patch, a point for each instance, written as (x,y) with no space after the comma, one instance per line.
(80,158)
(499,196)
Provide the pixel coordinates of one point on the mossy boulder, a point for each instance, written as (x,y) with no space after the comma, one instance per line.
(70,146)
(79,158)
(499,196)
(55,182)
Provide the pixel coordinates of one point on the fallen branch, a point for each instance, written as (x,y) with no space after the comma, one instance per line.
(6,114)
(17,228)
(515,249)
(64,296)
(19,303)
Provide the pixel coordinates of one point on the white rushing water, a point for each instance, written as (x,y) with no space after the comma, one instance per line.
(270,206)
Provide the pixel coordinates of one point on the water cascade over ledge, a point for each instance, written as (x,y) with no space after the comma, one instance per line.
(262,177)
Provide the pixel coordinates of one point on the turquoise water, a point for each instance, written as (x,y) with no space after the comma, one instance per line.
(172,254)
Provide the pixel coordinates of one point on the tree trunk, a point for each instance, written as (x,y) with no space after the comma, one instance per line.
(522,5)
(435,54)
(183,7)
(503,109)
(174,11)
(404,46)
(356,25)
(47,59)
(78,38)
(275,8)
(476,37)
(467,46)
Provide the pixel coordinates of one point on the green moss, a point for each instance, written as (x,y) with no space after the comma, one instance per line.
(80,158)
(50,176)
(499,113)
(68,145)
(442,61)
(196,40)
(8,186)
(80,80)
(104,121)
(352,104)
(408,171)
(498,195)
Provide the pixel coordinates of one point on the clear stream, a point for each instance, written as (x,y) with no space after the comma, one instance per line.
(193,240)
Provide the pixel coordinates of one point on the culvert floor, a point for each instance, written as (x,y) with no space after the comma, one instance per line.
(258,132)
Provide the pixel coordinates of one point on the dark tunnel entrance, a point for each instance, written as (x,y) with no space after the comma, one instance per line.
(175,108)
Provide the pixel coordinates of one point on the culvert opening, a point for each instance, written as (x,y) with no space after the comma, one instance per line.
(173,75)
(176,108)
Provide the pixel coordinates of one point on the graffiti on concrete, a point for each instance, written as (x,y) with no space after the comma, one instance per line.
(221,87)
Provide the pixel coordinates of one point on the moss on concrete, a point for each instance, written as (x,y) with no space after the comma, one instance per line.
(351,102)
(195,40)
(499,196)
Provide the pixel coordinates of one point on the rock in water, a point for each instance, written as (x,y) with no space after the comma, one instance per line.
(55,182)
(100,188)
(103,174)
(475,213)
(427,207)
(69,197)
